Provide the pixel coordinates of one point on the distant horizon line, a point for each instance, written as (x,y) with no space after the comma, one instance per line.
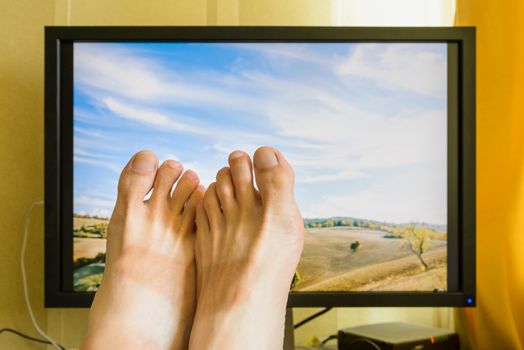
(338,217)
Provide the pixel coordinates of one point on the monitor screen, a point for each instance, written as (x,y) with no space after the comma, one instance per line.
(364,125)
(377,123)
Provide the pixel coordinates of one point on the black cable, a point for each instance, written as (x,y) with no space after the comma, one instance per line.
(364,340)
(331,337)
(303,322)
(28,337)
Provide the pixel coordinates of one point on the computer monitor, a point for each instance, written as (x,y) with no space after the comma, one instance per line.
(378,123)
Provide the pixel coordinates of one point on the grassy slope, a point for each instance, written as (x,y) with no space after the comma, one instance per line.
(328,264)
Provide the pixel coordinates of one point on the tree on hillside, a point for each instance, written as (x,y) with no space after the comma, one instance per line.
(416,240)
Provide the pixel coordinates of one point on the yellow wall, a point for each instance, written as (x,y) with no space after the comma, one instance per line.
(21,143)
(21,158)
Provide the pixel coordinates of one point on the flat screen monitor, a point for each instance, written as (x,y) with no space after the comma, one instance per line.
(378,123)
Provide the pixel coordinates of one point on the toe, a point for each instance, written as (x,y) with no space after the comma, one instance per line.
(212,206)
(201,218)
(137,177)
(225,189)
(185,186)
(188,218)
(274,175)
(242,175)
(166,177)
(202,240)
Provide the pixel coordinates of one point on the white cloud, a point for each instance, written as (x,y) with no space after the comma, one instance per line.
(412,196)
(124,73)
(345,141)
(346,174)
(90,133)
(108,196)
(94,201)
(150,117)
(96,153)
(99,212)
(286,51)
(97,162)
(80,151)
(399,66)
(110,68)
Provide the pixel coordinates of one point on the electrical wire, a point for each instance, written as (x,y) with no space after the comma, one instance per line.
(331,337)
(28,337)
(24,276)
(312,317)
(363,340)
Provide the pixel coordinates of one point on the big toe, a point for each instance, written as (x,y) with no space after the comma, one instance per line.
(137,178)
(273,174)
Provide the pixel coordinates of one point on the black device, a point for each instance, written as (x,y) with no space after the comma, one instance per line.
(397,336)
(63,123)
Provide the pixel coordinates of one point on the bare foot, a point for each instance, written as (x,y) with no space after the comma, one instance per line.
(247,248)
(148,293)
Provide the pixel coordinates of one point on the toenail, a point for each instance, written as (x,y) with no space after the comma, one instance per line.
(224,170)
(191,174)
(236,154)
(266,159)
(173,164)
(144,163)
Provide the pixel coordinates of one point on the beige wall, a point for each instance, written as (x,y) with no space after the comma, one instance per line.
(21,143)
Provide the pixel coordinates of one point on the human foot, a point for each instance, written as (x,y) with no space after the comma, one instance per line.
(248,245)
(147,296)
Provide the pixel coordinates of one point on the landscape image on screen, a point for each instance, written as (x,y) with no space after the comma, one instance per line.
(363,124)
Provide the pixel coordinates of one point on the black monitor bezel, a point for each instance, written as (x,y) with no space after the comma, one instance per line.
(461,147)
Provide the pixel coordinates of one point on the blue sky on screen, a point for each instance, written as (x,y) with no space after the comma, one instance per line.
(364,125)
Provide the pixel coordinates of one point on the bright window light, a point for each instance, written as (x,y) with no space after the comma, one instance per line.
(393,12)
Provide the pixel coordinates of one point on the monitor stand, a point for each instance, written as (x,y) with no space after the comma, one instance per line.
(289,331)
